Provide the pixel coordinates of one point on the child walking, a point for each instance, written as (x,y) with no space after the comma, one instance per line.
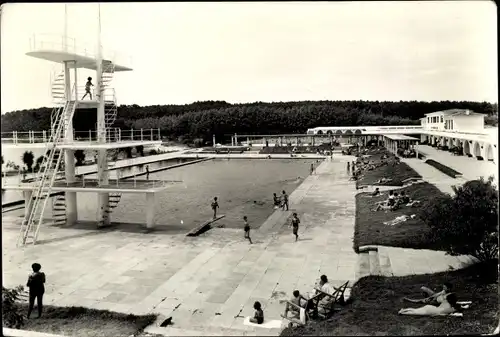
(87,88)
(247,229)
(215,205)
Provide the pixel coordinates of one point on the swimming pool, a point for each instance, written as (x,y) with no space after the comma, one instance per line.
(243,187)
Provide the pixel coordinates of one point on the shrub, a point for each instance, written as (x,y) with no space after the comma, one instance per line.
(153,152)
(466,223)
(28,159)
(443,168)
(11,312)
(12,165)
(140,150)
(80,157)
(198,142)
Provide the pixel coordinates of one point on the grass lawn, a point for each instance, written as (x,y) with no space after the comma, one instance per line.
(370,229)
(397,173)
(377,299)
(85,322)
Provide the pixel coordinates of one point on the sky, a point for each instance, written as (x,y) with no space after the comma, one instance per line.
(263,51)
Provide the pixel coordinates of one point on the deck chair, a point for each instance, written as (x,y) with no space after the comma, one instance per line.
(336,298)
(295,321)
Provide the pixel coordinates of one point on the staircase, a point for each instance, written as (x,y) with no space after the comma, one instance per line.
(58,90)
(373,261)
(110,108)
(30,226)
(59,210)
(114,199)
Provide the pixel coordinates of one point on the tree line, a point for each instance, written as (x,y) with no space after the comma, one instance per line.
(204,119)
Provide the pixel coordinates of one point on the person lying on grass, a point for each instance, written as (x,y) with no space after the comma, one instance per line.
(432,296)
(385,206)
(448,306)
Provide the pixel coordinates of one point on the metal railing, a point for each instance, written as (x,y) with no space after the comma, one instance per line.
(112,135)
(55,42)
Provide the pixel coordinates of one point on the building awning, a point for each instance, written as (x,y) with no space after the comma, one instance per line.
(401,137)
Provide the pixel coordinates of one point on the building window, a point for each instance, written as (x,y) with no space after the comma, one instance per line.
(428,119)
(441,119)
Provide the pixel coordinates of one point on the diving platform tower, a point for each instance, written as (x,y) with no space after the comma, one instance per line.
(66,95)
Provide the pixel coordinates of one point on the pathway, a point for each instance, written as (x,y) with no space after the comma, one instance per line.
(433,176)
(471,168)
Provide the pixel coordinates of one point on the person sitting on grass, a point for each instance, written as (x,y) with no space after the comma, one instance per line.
(392,199)
(432,296)
(404,198)
(376,192)
(259,314)
(299,301)
(447,306)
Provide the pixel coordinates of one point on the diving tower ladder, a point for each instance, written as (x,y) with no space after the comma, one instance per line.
(30,226)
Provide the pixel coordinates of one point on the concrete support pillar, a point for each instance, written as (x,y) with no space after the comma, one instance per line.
(71,201)
(150,210)
(103,218)
(236,139)
(213,140)
(248,141)
(28,205)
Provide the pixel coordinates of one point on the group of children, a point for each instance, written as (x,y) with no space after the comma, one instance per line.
(294,223)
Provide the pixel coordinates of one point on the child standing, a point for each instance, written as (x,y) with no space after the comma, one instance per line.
(215,205)
(284,201)
(295,226)
(247,229)
(36,289)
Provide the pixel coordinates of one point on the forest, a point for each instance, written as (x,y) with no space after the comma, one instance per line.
(203,119)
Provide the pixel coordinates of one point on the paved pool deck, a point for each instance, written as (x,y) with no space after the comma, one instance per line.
(209,283)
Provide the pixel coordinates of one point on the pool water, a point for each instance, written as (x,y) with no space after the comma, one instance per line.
(243,187)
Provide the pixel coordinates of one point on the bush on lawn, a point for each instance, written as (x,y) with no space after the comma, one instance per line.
(11,312)
(466,223)
(443,168)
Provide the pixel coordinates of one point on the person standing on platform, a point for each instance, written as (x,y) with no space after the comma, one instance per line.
(87,88)
(215,205)
(247,229)
(295,226)
(284,201)
(36,287)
